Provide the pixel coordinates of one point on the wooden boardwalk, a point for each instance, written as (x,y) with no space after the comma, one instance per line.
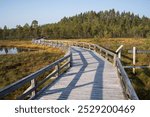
(90,78)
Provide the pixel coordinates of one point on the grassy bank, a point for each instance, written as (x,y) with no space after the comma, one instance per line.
(140,80)
(15,67)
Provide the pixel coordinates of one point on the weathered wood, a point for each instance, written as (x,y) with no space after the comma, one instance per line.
(127,84)
(118,51)
(96,47)
(64,65)
(134,52)
(101,49)
(57,68)
(139,51)
(134,58)
(114,60)
(86,79)
(106,56)
(137,67)
(129,89)
(14,86)
(33,84)
(38,85)
(105,50)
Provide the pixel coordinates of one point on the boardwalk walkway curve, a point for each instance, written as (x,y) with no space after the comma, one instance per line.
(90,75)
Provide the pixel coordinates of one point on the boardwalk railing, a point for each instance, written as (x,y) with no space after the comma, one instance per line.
(128,88)
(108,55)
(134,66)
(55,69)
(112,57)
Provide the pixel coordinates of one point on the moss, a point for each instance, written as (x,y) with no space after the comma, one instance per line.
(15,67)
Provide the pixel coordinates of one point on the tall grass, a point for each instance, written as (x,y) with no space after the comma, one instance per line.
(140,80)
(15,67)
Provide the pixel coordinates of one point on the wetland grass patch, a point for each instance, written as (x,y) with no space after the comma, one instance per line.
(140,80)
(15,67)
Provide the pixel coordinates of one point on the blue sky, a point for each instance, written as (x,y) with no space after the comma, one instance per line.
(13,12)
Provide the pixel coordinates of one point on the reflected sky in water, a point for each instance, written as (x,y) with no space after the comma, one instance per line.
(12,50)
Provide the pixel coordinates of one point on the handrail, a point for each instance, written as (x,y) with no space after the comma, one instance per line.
(106,53)
(128,87)
(129,90)
(32,77)
(118,51)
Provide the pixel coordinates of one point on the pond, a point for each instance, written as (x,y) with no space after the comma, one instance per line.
(13,50)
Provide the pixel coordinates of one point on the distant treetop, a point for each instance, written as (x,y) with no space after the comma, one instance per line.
(103,24)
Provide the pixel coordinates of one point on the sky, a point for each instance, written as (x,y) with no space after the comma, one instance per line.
(19,12)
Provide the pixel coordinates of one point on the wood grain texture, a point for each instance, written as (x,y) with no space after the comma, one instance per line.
(91,77)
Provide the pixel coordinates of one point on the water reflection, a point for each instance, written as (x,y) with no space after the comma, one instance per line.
(13,50)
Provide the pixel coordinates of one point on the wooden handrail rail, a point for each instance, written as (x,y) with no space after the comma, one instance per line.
(130,92)
(118,51)
(137,67)
(116,61)
(18,84)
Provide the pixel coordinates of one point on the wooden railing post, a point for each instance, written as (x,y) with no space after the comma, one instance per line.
(89,46)
(94,47)
(115,60)
(129,90)
(134,59)
(106,56)
(57,68)
(70,60)
(33,84)
(100,51)
(119,54)
(118,51)
(83,45)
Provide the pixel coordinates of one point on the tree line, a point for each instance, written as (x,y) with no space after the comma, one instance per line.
(103,24)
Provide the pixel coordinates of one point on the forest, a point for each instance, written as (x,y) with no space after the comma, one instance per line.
(103,24)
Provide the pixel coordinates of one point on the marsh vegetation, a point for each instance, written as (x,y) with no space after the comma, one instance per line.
(16,66)
(140,80)
(109,29)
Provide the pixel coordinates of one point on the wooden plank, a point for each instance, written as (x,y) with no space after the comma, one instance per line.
(90,79)
(114,60)
(93,77)
(134,58)
(57,68)
(139,51)
(33,84)
(118,51)
(137,67)
(129,89)
(14,86)
(105,50)
(34,88)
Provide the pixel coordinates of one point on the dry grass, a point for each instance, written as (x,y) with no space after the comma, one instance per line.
(140,80)
(14,67)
